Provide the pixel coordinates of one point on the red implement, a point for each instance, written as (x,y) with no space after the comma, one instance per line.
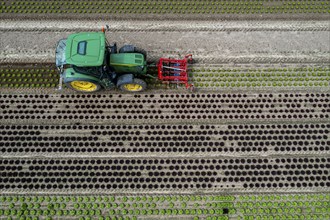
(174,70)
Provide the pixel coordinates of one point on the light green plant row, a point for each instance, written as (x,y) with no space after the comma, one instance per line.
(166,7)
(274,206)
(204,78)
(296,70)
(116,207)
(310,206)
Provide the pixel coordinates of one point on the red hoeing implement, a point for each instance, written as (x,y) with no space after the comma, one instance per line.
(174,70)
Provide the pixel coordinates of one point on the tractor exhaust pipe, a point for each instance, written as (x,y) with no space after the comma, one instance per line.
(60,83)
(106,28)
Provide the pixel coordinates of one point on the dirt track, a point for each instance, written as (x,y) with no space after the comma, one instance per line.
(216,42)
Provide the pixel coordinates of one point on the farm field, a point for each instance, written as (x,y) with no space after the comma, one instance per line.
(252,141)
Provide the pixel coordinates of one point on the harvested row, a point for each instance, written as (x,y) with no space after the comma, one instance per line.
(164,7)
(270,206)
(122,109)
(128,175)
(161,140)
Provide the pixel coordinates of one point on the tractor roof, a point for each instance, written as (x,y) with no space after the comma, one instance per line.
(85,49)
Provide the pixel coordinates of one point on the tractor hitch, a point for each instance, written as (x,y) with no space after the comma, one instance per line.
(174,70)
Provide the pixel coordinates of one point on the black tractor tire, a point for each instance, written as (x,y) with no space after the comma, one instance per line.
(138,85)
(133,49)
(84,85)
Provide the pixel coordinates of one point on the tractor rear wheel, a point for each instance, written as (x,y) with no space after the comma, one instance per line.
(138,85)
(84,86)
(133,49)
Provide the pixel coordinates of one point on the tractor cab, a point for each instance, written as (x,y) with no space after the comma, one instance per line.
(85,50)
(88,63)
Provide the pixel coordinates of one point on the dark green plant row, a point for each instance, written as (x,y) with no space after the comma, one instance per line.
(274,206)
(167,7)
(200,77)
(28,78)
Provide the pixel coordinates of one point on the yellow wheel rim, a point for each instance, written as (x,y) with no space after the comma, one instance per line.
(133,87)
(84,86)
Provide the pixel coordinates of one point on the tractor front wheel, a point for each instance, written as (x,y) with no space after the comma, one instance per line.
(84,86)
(138,85)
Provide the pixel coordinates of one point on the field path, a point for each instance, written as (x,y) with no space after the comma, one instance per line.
(210,42)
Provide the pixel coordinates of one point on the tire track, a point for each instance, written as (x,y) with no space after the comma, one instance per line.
(156,26)
(25,56)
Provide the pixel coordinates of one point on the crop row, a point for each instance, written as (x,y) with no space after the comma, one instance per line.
(263,70)
(270,77)
(261,82)
(200,77)
(28,78)
(164,7)
(194,206)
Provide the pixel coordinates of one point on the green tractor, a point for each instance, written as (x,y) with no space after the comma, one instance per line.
(88,63)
